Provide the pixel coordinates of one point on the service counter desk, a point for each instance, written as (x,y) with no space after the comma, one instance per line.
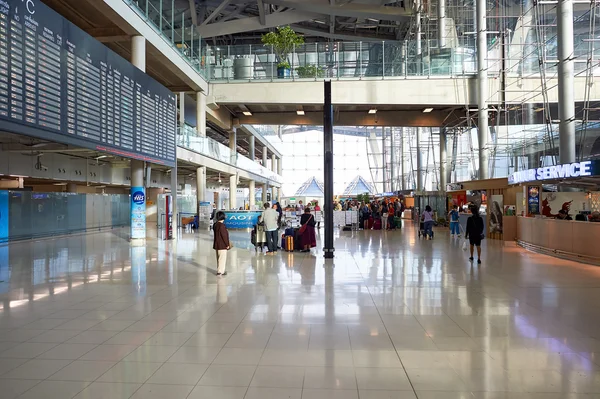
(567,237)
(462,220)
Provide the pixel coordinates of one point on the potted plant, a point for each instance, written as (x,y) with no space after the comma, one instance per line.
(310,71)
(283,42)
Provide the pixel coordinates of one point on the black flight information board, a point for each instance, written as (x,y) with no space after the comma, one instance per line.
(60,84)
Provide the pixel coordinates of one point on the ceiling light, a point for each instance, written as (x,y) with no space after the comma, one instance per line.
(247,113)
(60,184)
(102,156)
(427,110)
(373,111)
(300,112)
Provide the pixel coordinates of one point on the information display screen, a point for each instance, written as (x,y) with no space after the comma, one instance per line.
(60,84)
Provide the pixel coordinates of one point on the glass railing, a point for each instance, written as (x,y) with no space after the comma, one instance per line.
(342,60)
(187,137)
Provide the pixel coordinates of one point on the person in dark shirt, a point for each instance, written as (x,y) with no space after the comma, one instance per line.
(474,232)
(221,243)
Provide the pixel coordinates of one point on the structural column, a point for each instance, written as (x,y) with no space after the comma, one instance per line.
(201,132)
(403,181)
(443,157)
(252,145)
(419,179)
(201,114)
(265,187)
(138,191)
(328,170)
(265,156)
(442,23)
(566,103)
(482,83)
(392,161)
(274,190)
(233,192)
(252,197)
(279,172)
(200,185)
(233,145)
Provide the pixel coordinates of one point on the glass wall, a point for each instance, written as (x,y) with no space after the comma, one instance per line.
(32,214)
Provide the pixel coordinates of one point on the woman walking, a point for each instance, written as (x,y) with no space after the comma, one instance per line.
(475,232)
(428,222)
(221,243)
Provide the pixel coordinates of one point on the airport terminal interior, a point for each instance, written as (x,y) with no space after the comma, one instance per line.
(289,199)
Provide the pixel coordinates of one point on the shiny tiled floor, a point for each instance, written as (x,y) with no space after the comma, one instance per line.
(393,317)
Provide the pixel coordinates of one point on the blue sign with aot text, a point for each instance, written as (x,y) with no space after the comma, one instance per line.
(241,220)
(138,212)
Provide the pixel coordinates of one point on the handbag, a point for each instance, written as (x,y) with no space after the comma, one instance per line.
(302,228)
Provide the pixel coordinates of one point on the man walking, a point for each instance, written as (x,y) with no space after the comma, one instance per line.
(270,217)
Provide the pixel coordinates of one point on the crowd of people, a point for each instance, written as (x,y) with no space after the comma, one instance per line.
(387,211)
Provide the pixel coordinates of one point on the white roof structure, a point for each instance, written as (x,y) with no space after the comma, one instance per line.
(359,186)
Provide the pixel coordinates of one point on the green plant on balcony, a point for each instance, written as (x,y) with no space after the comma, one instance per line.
(283,42)
(310,71)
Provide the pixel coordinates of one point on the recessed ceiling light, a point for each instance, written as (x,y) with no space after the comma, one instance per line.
(300,112)
(427,110)
(373,111)
(247,113)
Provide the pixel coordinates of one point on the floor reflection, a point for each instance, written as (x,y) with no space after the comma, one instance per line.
(391,316)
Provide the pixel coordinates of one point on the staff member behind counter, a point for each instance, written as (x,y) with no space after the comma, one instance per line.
(563,215)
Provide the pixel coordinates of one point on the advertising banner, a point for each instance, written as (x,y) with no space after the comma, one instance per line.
(241,220)
(3,216)
(495,210)
(533,200)
(138,212)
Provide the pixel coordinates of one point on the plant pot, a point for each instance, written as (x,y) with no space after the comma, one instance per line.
(284,73)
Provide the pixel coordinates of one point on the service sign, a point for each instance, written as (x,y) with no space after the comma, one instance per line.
(556,172)
(241,220)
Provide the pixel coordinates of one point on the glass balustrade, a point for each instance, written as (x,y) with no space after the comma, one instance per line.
(358,60)
(187,137)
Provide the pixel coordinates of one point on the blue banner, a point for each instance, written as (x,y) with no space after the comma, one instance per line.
(3,216)
(241,220)
(138,212)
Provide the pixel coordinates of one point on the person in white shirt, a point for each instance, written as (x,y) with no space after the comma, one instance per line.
(270,217)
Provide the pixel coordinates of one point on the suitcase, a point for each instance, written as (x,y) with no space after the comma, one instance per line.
(283,237)
(377,224)
(289,243)
(289,231)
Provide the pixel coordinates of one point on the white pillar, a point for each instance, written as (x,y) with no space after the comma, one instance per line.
(279,167)
(181,109)
(566,76)
(482,81)
(233,192)
(252,195)
(265,187)
(200,185)
(252,145)
(201,114)
(138,52)
(265,156)
(138,208)
(274,190)
(233,145)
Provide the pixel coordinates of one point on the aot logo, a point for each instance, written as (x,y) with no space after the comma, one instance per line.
(240,217)
(138,198)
